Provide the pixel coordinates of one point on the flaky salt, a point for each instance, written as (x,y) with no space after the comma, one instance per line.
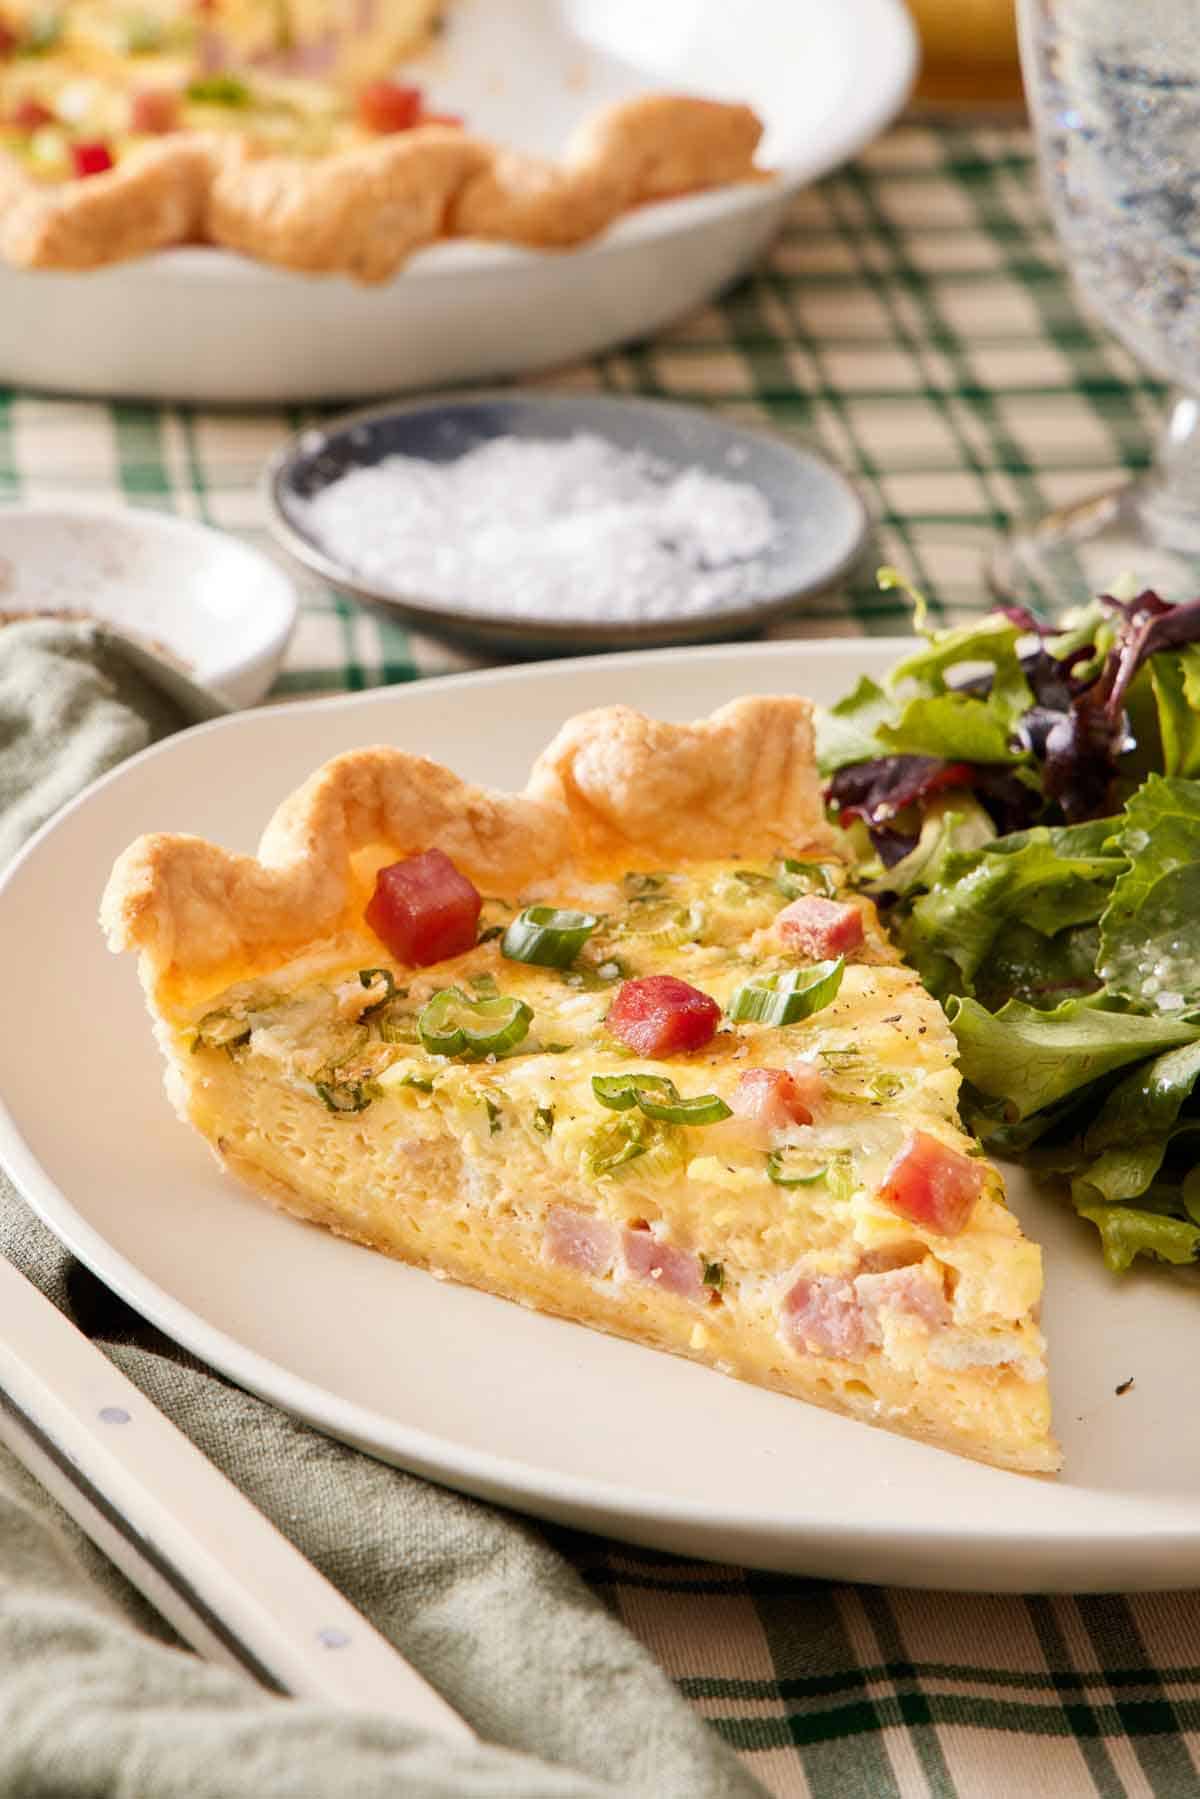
(556,530)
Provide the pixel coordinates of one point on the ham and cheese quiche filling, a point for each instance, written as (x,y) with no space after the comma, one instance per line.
(621,1047)
(700,1104)
(82,86)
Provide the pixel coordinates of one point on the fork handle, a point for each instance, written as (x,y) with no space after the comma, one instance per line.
(208,1560)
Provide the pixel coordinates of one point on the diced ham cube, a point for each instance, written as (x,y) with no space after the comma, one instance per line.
(819,927)
(385,106)
(660,1016)
(92,159)
(674,1270)
(423,909)
(574,1239)
(823,1314)
(771,1099)
(808,1083)
(30,115)
(933,1185)
(153,110)
(909,1290)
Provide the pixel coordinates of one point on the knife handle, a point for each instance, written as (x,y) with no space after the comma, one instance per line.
(209,1561)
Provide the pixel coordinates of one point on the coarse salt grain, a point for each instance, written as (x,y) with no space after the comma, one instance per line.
(557,530)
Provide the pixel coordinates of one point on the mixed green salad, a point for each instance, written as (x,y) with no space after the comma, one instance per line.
(1024,801)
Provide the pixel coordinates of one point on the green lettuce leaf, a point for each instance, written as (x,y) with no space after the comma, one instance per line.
(1126,1232)
(1044,881)
(954,824)
(935,719)
(1043,971)
(846,733)
(1175,678)
(1123,1149)
(993,640)
(956,726)
(1148,948)
(1029,1059)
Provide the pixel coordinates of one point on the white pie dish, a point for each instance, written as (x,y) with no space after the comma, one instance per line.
(220,608)
(202,324)
(484,1395)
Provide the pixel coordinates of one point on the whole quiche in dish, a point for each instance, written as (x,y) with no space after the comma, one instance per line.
(621,1047)
(279,128)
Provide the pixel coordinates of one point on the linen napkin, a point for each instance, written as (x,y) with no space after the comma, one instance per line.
(97,1698)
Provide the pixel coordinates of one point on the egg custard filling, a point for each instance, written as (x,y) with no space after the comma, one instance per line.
(83,86)
(691,1100)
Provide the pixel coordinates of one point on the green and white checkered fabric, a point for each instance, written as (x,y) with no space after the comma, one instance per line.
(914,323)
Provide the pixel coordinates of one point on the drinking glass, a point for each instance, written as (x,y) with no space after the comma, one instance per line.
(1114,92)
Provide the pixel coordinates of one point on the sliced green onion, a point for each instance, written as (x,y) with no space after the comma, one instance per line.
(841,1061)
(367,978)
(662,920)
(778,1170)
(795,879)
(494,1116)
(221,1030)
(658,1098)
(614,1144)
(616,1091)
(837,1173)
(742,885)
(886,1086)
(483,986)
(452,1024)
(396,1025)
(41,34)
(638,885)
(142,35)
(714,1276)
(783,998)
(549,936)
(543,1121)
(219,90)
(346,1096)
(419,1082)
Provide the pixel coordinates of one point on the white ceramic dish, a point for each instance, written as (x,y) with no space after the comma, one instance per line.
(486,1396)
(223,609)
(819,519)
(204,325)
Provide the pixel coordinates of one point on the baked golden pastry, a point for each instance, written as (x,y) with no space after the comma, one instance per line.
(620,1047)
(277,128)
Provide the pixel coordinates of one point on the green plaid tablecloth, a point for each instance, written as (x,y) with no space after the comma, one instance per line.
(913,322)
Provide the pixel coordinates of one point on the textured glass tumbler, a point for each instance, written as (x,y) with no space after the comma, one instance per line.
(1114,91)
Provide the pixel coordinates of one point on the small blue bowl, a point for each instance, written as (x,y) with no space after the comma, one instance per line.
(820,520)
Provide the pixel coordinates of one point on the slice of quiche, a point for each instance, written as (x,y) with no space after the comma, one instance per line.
(620,1047)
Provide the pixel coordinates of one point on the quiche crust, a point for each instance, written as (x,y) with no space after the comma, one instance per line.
(468,1167)
(153,199)
(362,211)
(612,782)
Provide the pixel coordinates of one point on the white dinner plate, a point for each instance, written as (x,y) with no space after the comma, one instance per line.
(479,1393)
(204,324)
